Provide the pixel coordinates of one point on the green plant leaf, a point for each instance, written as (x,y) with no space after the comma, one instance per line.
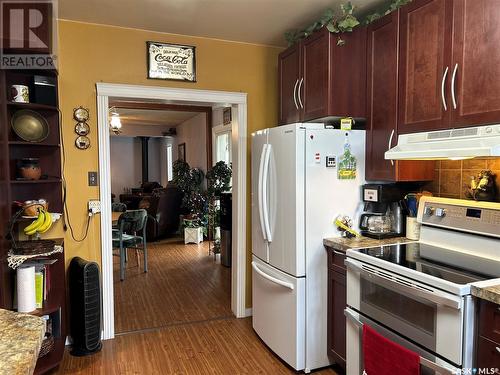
(348,23)
(332,27)
(347,8)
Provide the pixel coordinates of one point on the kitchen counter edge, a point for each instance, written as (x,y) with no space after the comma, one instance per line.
(344,244)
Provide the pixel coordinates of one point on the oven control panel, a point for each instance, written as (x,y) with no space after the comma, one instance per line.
(464,215)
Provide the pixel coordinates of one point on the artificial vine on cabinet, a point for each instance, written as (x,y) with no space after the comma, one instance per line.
(342,22)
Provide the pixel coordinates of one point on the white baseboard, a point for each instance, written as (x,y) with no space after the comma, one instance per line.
(248,312)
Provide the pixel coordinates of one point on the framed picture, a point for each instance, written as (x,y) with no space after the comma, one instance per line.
(171,61)
(226,116)
(181,151)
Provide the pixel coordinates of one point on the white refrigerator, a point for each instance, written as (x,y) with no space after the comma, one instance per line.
(301,181)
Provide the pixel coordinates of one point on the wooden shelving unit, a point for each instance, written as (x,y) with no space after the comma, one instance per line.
(13,189)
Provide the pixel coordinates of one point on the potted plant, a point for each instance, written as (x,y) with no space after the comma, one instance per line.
(194,203)
(218,182)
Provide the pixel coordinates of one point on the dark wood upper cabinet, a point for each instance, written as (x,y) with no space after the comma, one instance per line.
(382,106)
(424,65)
(476,62)
(319,79)
(313,85)
(288,77)
(449,64)
(382,90)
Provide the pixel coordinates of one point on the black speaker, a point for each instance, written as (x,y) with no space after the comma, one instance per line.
(85,300)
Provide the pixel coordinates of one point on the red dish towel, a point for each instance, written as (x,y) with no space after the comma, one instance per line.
(384,357)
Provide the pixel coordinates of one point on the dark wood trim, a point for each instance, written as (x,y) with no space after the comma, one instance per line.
(158,106)
(174,107)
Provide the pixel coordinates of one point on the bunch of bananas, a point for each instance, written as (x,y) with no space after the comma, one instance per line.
(41,224)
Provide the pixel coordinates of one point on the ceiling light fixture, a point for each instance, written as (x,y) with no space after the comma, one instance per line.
(115,123)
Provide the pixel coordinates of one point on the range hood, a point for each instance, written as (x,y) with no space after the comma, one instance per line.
(466,143)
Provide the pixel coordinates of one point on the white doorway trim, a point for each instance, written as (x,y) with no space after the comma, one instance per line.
(238,102)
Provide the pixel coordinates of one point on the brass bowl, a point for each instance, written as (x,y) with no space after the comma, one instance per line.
(30,126)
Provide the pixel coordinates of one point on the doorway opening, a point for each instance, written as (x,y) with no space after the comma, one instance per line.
(197,102)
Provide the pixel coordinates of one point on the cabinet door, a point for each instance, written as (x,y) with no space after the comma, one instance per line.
(382,91)
(476,62)
(337,302)
(488,354)
(313,86)
(425,55)
(289,73)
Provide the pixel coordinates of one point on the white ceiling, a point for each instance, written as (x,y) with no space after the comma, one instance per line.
(165,119)
(252,21)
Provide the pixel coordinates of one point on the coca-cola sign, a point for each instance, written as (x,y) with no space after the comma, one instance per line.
(171,61)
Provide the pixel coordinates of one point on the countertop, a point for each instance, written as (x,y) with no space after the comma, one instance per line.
(21,337)
(343,244)
(488,290)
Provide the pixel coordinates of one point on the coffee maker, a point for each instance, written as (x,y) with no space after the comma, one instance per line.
(383,216)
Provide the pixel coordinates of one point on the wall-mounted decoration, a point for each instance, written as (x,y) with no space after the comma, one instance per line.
(226,116)
(81,114)
(82,142)
(181,149)
(171,61)
(82,129)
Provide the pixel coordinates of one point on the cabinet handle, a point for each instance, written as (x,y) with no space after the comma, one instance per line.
(497,349)
(295,94)
(298,92)
(453,98)
(339,253)
(390,143)
(443,81)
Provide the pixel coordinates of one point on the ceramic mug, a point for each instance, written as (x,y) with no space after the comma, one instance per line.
(20,93)
(412,228)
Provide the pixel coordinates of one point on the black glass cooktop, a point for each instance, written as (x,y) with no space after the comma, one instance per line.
(408,255)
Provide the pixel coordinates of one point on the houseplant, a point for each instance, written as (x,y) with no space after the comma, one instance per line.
(194,202)
(218,182)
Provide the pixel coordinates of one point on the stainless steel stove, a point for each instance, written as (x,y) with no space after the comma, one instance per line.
(418,293)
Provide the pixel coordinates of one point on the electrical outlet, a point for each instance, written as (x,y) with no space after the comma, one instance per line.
(94,206)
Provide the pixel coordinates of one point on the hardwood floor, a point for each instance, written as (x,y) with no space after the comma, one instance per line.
(222,346)
(183,285)
(176,319)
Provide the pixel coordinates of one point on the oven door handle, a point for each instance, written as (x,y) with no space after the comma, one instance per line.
(423,361)
(435,296)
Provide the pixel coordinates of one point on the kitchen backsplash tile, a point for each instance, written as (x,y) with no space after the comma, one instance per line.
(452,177)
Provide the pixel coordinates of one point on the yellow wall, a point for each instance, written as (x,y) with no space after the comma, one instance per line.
(95,53)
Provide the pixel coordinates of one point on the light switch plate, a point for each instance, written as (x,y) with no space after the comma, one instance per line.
(93,178)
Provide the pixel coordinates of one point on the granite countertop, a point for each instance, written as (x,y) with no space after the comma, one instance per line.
(21,337)
(343,244)
(488,290)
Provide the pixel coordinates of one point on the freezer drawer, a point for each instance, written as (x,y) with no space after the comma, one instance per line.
(279,312)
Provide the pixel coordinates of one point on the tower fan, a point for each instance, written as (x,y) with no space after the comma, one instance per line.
(85,299)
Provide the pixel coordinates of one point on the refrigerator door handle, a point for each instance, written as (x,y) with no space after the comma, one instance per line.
(260,189)
(271,278)
(265,205)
